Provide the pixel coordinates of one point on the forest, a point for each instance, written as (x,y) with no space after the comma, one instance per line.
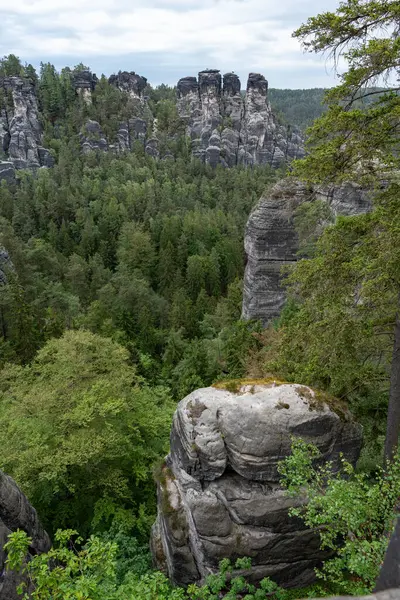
(120,293)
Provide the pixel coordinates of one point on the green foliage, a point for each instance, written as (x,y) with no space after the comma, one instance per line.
(11,66)
(78,426)
(227,585)
(129,248)
(353,514)
(297,107)
(73,571)
(69,571)
(310,219)
(352,140)
(341,336)
(302,107)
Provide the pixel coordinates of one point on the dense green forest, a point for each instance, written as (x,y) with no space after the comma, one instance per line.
(121,293)
(302,107)
(297,107)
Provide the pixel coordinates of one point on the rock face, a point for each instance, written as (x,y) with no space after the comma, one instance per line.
(92,137)
(131,83)
(20,129)
(271,241)
(84,83)
(227,128)
(7,171)
(389,575)
(5,265)
(17,513)
(219,494)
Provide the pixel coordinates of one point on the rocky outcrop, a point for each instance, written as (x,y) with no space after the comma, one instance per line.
(7,171)
(17,513)
(92,137)
(218,492)
(20,129)
(5,265)
(271,240)
(130,83)
(230,129)
(389,575)
(84,83)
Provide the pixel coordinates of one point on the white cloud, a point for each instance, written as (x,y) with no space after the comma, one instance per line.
(230,34)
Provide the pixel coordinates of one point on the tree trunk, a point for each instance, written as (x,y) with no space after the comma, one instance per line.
(393,418)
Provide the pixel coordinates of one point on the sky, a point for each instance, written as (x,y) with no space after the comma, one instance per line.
(168,39)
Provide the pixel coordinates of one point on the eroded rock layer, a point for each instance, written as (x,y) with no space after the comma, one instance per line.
(229,128)
(20,129)
(219,494)
(17,513)
(271,241)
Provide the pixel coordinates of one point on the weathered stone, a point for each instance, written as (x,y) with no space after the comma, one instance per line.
(271,240)
(17,513)
(151,147)
(84,82)
(248,130)
(92,137)
(7,171)
(219,494)
(130,83)
(20,129)
(389,575)
(5,265)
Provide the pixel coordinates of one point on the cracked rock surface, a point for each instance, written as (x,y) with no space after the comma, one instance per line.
(271,241)
(20,128)
(219,494)
(17,513)
(229,128)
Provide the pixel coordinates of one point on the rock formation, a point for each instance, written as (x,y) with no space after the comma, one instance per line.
(7,171)
(17,513)
(271,240)
(84,83)
(131,83)
(218,492)
(92,137)
(20,129)
(5,265)
(227,128)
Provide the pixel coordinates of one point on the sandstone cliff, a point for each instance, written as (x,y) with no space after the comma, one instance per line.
(218,492)
(271,240)
(20,128)
(17,513)
(230,129)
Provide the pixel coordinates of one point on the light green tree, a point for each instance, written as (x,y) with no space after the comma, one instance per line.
(78,426)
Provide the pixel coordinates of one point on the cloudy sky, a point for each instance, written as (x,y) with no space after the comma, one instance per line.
(167,39)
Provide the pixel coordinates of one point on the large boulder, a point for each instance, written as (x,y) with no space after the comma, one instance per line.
(271,241)
(219,494)
(17,513)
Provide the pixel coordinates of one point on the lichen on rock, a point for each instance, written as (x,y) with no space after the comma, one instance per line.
(220,496)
